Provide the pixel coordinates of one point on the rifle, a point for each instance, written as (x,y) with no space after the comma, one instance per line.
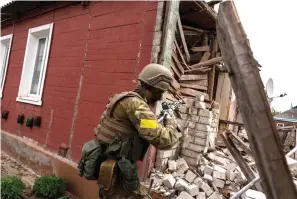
(170,107)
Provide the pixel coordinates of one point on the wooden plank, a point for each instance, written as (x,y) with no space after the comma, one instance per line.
(175,84)
(205,57)
(180,54)
(196,29)
(201,49)
(253,105)
(179,24)
(193,86)
(193,77)
(175,59)
(190,92)
(244,167)
(207,63)
(211,77)
(196,82)
(175,70)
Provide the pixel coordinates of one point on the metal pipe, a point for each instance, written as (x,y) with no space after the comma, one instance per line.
(249,185)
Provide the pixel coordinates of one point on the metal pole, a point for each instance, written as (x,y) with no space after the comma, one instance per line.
(249,185)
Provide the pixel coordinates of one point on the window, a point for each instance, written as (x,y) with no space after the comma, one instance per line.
(35,63)
(5,51)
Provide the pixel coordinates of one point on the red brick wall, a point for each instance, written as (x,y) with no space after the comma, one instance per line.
(104,46)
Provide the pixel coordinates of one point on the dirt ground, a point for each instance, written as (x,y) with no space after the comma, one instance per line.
(11,167)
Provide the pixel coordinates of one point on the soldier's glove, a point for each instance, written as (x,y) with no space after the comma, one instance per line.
(170,119)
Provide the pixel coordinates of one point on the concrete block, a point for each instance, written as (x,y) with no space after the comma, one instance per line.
(253,194)
(215,195)
(198,181)
(201,195)
(193,111)
(190,176)
(169,181)
(200,105)
(208,170)
(172,165)
(206,188)
(182,166)
(219,175)
(181,185)
(203,127)
(165,153)
(184,195)
(219,183)
(193,190)
(195,147)
(205,120)
(205,113)
(207,178)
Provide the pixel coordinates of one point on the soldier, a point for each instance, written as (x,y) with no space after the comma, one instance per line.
(128,126)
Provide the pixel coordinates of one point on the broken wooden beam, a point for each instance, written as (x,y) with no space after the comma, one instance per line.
(201,49)
(211,77)
(240,142)
(193,77)
(194,28)
(205,57)
(180,54)
(175,69)
(179,24)
(193,86)
(244,167)
(203,82)
(207,63)
(255,110)
(179,66)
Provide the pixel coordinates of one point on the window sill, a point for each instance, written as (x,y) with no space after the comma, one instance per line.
(29,100)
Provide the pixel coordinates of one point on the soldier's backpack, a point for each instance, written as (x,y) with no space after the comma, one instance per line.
(91,159)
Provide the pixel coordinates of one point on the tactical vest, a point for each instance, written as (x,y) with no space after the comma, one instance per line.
(109,126)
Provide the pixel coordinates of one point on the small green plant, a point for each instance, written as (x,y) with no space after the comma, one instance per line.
(49,186)
(11,187)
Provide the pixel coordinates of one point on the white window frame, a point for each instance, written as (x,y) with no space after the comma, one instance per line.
(5,40)
(34,35)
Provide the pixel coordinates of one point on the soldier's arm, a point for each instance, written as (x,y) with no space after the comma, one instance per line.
(145,121)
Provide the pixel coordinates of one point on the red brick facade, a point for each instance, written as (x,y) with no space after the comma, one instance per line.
(95,51)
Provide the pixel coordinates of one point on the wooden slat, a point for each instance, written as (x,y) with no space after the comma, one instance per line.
(175,84)
(201,49)
(180,54)
(253,105)
(193,77)
(179,24)
(193,86)
(175,59)
(175,70)
(211,77)
(196,82)
(205,57)
(193,28)
(207,63)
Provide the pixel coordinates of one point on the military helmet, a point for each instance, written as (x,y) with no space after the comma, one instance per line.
(157,76)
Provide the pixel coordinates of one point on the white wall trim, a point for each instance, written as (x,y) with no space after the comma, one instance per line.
(5,39)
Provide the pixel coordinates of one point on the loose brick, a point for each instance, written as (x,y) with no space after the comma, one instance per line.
(198,181)
(172,165)
(201,195)
(184,195)
(191,161)
(189,101)
(208,170)
(193,190)
(161,164)
(205,113)
(165,153)
(219,183)
(208,178)
(190,176)
(181,185)
(219,175)
(218,160)
(206,188)
(169,181)
(182,165)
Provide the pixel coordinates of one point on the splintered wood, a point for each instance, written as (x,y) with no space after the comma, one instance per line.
(194,57)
